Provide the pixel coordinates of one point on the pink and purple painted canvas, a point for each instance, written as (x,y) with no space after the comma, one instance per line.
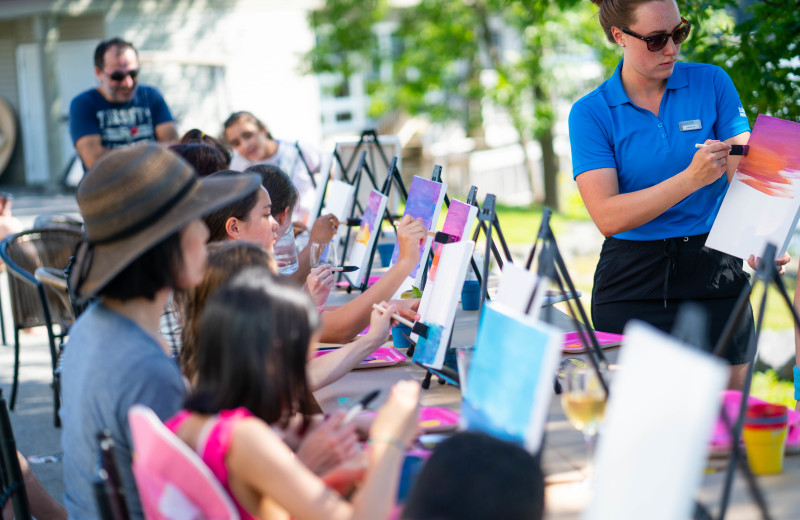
(424,201)
(458,222)
(762,204)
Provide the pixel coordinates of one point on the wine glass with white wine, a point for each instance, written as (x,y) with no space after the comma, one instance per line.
(584,402)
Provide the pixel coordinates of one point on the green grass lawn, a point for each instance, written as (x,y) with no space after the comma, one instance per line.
(768,387)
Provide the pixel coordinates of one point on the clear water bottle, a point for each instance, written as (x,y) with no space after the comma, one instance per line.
(286,253)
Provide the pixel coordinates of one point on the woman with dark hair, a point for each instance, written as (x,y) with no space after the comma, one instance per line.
(647,188)
(254,344)
(284,198)
(141,208)
(196,136)
(253,144)
(329,443)
(205,159)
(249,219)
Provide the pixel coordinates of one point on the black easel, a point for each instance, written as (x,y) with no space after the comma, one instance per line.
(325,176)
(392,175)
(765,274)
(552,267)
(305,163)
(368,139)
(487,220)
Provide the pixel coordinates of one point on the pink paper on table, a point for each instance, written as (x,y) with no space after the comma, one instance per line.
(433,419)
(372,279)
(383,356)
(572,342)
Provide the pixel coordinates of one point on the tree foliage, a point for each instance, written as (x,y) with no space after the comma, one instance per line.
(760,52)
(445,58)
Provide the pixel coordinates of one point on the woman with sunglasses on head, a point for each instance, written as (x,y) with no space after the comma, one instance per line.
(649,190)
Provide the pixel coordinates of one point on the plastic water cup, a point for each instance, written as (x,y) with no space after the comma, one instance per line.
(286,253)
(765,427)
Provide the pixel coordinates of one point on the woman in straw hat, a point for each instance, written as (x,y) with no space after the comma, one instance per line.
(144,238)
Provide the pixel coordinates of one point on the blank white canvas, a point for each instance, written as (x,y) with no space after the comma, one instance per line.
(339,202)
(748,220)
(359,253)
(653,447)
(443,295)
(515,288)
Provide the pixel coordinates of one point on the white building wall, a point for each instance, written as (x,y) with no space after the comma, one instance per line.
(210,61)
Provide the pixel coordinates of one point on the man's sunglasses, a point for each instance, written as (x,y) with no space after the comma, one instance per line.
(659,41)
(119,75)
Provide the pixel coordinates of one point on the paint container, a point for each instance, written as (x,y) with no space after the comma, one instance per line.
(471,295)
(385,251)
(765,426)
(397,336)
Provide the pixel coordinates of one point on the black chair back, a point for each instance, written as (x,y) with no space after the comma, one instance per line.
(12,485)
(108,491)
(33,303)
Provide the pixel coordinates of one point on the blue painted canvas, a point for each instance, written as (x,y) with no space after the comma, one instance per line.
(510,380)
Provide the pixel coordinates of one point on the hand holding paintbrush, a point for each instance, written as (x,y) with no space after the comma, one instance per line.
(417,327)
(438,236)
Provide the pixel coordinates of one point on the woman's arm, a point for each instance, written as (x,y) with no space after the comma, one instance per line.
(614,212)
(343,323)
(324,370)
(733,160)
(263,471)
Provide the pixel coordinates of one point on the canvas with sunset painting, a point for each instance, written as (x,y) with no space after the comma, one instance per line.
(762,204)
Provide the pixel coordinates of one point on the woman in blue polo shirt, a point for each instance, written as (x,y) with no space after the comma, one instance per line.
(645,185)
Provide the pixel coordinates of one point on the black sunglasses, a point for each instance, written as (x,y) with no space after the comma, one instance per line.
(119,75)
(659,41)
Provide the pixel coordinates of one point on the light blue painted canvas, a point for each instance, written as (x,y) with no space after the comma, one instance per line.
(510,380)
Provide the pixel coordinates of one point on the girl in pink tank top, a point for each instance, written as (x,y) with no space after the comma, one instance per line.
(252,352)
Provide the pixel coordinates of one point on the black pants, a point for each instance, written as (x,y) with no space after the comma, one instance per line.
(648,281)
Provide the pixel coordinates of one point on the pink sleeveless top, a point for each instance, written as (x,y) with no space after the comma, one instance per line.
(214,443)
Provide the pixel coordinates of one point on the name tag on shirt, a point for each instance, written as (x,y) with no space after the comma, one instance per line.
(694,124)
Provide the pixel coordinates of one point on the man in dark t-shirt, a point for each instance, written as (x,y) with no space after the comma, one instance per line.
(118,112)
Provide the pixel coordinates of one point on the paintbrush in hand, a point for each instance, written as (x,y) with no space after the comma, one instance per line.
(417,327)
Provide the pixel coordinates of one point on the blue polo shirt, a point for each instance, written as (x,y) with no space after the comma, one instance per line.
(606,130)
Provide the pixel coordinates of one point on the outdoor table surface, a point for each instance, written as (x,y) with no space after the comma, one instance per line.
(564,455)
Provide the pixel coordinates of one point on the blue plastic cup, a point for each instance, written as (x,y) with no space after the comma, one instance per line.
(386,250)
(397,335)
(471,295)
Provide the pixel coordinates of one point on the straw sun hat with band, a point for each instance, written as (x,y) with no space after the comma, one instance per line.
(134,198)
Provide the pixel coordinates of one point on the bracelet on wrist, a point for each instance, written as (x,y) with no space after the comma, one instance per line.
(391,441)
(796,383)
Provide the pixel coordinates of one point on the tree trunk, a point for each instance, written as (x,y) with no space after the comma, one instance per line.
(550,169)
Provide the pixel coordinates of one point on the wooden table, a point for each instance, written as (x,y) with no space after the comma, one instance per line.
(564,456)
